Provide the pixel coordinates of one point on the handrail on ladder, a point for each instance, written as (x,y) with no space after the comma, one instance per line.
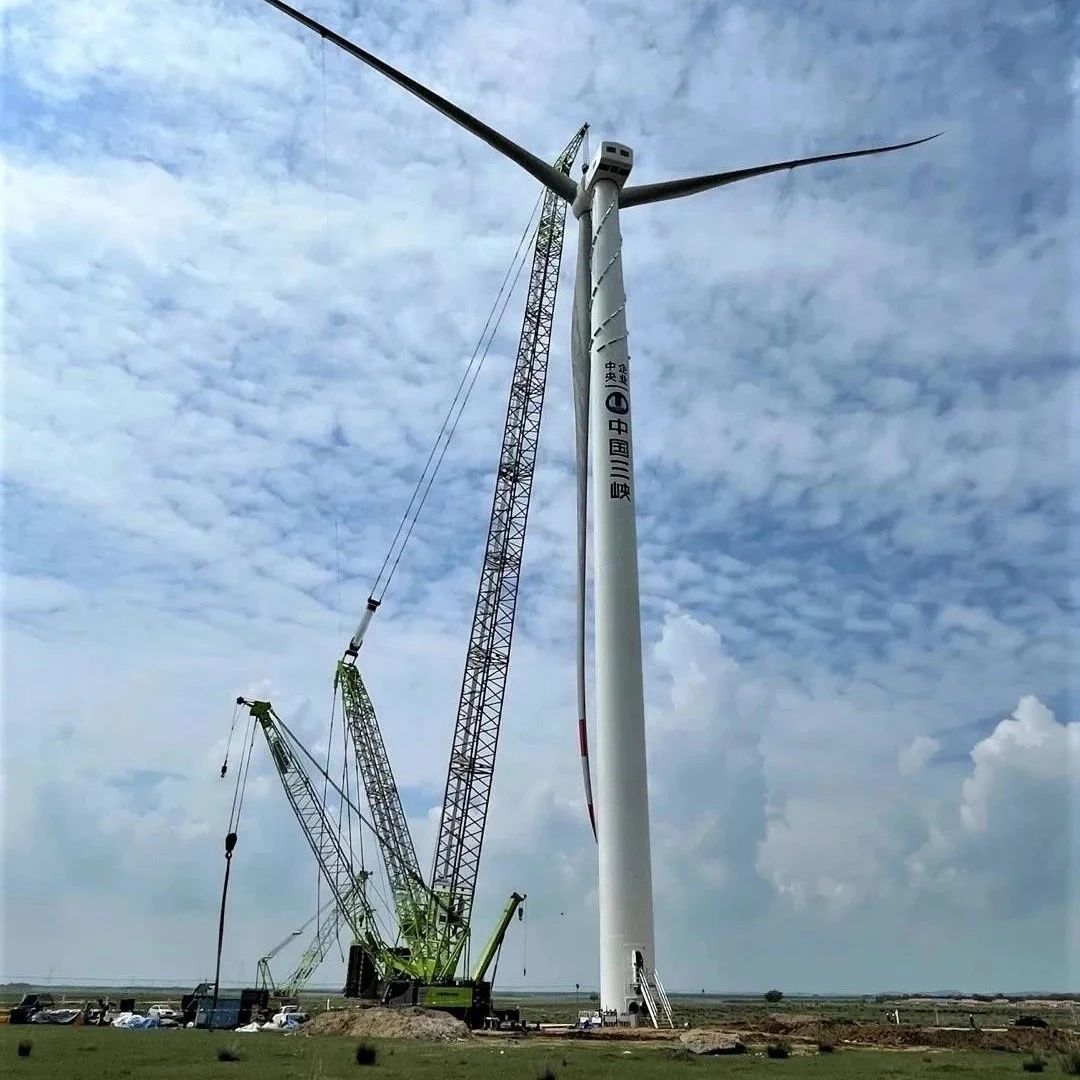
(661,993)
(650,1005)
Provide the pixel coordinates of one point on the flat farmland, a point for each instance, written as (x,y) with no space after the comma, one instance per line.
(107,1054)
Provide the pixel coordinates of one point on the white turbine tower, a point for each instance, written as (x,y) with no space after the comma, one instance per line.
(601,376)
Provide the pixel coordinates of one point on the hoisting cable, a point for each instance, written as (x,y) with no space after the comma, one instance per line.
(348,818)
(326,777)
(228,742)
(334,508)
(345,820)
(378,589)
(446,431)
(295,742)
(524,941)
(230,843)
(352,857)
(446,443)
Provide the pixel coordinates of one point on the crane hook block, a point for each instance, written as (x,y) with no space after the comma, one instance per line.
(230,843)
(224,768)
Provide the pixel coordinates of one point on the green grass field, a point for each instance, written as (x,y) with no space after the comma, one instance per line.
(106,1054)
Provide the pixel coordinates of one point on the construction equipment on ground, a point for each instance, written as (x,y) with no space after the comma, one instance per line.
(423,959)
(329,922)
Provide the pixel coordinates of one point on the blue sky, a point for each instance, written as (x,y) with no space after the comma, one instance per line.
(240,291)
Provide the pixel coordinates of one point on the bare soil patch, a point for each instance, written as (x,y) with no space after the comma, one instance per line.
(890,1036)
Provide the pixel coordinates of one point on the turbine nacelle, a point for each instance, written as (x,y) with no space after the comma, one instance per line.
(612,161)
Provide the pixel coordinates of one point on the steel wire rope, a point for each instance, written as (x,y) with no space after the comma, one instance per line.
(524,944)
(341,809)
(246,768)
(228,741)
(334,456)
(352,806)
(390,908)
(235,810)
(457,420)
(345,783)
(495,967)
(447,429)
(326,777)
(359,788)
(355,809)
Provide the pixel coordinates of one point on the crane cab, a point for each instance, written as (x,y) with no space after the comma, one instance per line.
(612,161)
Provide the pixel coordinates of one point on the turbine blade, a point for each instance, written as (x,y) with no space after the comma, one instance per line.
(691,185)
(580,345)
(549,176)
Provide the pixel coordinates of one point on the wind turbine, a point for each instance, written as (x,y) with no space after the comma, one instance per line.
(600,359)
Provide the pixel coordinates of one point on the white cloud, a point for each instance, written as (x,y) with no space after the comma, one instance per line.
(835,853)
(228,344)
(1007,844)
(1030,746)
(918,754)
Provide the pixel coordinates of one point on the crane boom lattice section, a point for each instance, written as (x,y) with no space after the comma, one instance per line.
(345,881)
(388,816)
(317,950)
(476,734)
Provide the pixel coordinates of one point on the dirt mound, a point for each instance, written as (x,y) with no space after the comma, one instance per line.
(713,1043)
(375,1021)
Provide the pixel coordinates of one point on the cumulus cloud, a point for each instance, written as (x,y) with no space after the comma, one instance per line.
(1031,744)
(1008,843)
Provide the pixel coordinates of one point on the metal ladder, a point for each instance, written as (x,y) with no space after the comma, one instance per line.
(661,994)
(646,995)
(652,1002)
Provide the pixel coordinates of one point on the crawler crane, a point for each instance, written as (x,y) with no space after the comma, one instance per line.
(424,958)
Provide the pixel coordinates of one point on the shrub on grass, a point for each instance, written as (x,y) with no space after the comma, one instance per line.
(773,996)
(366,1054)
(24,1047)
(778,1050)
(1070,1061)
(1034,1064)
(825,1047)
(228,1053)
(675,1053)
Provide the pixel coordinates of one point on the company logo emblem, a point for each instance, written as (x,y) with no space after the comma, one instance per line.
(617,403)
